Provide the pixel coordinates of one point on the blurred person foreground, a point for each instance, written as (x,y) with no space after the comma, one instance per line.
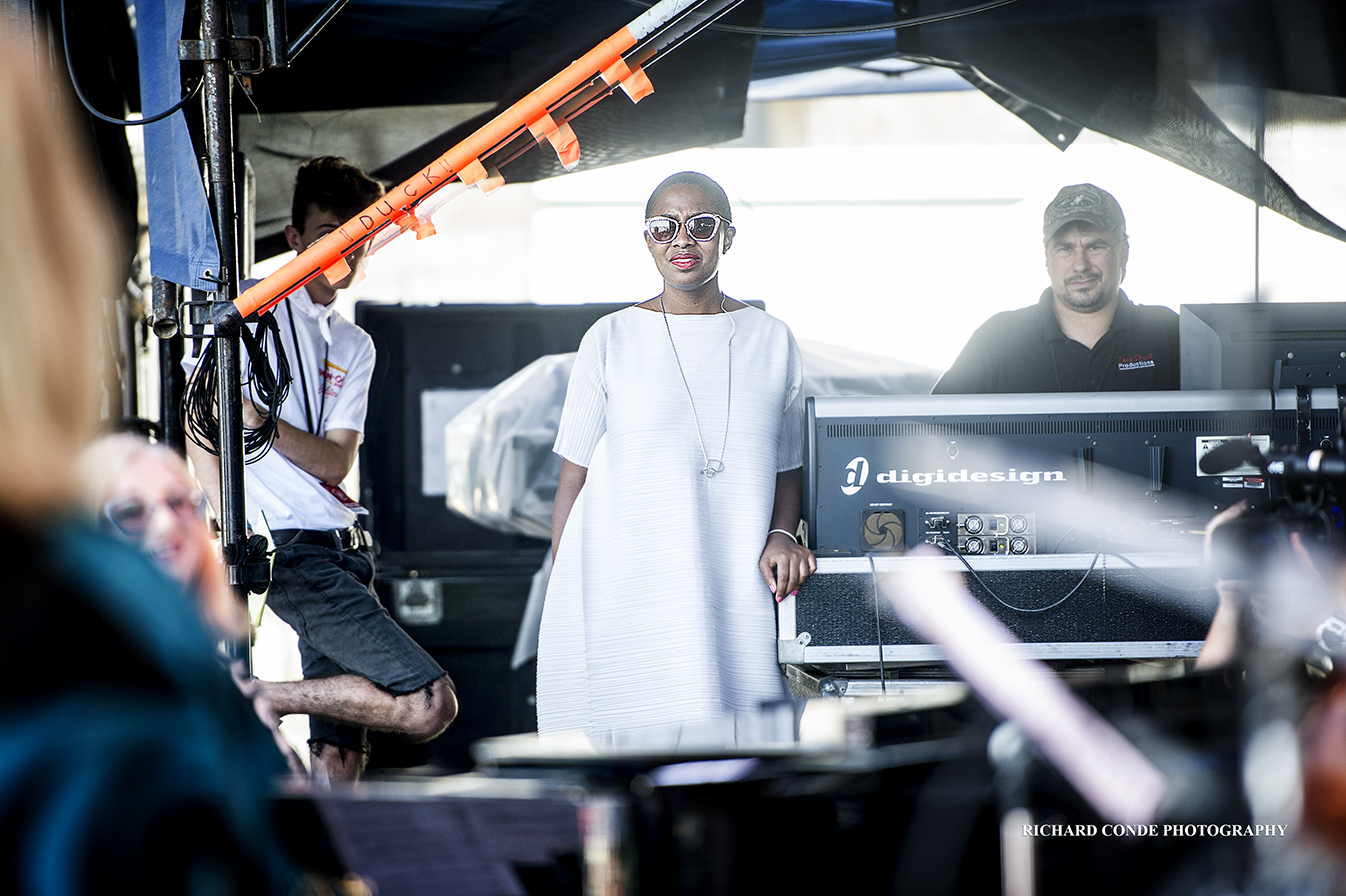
(128,761)
(145,494)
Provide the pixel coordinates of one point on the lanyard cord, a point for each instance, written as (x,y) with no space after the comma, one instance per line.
(303,380)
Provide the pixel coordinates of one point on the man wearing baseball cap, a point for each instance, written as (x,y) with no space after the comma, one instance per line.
(1084,334)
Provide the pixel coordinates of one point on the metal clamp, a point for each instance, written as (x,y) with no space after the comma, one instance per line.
(252,570)
(195,320)
(245,50)
(828,686)
(791,650)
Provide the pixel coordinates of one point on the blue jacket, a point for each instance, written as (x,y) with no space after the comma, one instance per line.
(129,762)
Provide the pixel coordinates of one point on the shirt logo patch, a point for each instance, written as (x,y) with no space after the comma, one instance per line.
(1079,200)
(333,379)
(1135,362)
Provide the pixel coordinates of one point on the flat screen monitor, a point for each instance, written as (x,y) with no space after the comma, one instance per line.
(1263,346)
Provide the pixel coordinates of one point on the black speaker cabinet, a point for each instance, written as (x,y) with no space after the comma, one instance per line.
(434,360)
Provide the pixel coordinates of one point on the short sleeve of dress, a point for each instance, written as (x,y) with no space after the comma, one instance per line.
(790,452)
(584,416)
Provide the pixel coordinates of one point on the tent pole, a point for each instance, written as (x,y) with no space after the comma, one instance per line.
(1259,144)
(297,46)
(219,140)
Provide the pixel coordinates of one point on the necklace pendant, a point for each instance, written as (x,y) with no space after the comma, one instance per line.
(712,467)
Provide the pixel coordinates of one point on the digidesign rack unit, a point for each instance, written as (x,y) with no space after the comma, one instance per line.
(1039,495)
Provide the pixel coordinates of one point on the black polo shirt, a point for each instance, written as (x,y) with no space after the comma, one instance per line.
(1025,351)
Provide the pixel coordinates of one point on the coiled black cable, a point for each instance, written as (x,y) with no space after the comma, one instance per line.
(269,388)
(88,106)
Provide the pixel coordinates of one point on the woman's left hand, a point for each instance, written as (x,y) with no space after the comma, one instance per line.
(785,565)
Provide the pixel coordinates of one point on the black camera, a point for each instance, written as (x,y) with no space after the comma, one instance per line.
(1306,491)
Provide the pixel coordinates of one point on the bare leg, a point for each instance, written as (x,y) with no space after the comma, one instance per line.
(353,700)
(330,763)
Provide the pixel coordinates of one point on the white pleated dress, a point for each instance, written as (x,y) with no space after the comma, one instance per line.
(658,630)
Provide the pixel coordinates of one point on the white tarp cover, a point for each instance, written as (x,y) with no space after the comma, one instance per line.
(500,469)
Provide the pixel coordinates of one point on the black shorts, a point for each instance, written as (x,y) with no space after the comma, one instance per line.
(326,597)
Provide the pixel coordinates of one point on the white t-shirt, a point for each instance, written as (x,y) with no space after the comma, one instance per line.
(338,397)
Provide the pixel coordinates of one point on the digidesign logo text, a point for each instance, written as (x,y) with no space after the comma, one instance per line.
(857,472)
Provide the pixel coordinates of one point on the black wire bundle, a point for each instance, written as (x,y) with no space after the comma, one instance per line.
(950,549)
(88,106)
(269,388)
(1099,553)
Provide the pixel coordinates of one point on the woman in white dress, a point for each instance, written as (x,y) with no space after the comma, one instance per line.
(680,493)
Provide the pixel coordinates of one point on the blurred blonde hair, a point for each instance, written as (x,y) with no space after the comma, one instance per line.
(98,470)
(57,262)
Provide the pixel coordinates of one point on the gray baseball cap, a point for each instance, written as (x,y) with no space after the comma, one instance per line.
(1082,202)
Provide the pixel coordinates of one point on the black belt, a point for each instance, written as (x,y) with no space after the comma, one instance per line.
(352,538)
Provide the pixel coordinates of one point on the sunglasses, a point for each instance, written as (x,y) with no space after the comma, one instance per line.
(702,228)
(131,516)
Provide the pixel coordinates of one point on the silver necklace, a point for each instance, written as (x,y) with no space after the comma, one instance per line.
(716,465)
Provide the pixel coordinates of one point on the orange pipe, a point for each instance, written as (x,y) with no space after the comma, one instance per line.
(398,201)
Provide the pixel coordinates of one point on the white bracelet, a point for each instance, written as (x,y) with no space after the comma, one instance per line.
(783,532)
